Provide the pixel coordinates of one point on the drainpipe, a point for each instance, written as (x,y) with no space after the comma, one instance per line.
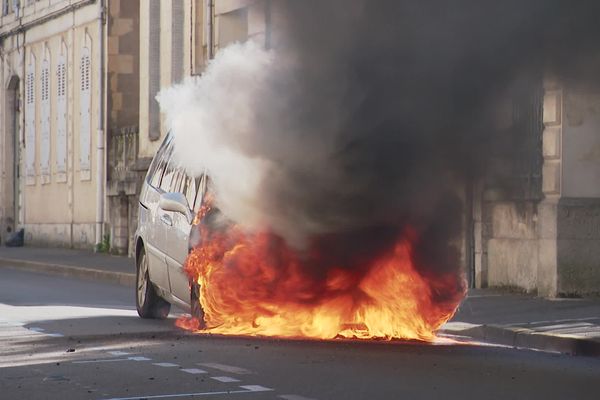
(20,200)
(209,29)
(100,138)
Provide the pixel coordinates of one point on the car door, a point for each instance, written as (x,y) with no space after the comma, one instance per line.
(154,230)
(179,237)
(163,221)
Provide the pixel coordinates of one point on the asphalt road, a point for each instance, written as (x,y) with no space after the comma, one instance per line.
(63,338)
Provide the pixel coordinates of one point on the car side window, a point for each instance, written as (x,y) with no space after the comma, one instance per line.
(168,176)
(160,161)
(189,190)
(177,181)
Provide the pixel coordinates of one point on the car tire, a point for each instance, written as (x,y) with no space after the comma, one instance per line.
(196,308)
(148,303)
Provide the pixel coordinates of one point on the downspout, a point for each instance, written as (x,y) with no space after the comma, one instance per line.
(209,29)
(100,137)
(20,200)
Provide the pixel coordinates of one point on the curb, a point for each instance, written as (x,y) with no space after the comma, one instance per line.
(121,278)
(518,337)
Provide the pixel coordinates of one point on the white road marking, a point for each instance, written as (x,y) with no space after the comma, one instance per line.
(166,365)
(112,360)
(194,371)
(36,329)
(226,368)
(100,361)
(293,397)
(256,388)
(40,330)
(118,353)
(167,396)
(224,379)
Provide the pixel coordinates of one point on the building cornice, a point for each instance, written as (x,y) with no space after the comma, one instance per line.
(24,23)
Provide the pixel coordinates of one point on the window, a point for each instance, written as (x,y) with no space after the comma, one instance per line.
(158,164)
(45,122)
(178,38)
(157,174)
(168,176)
(177,181)
(61,118)
(30,121)
(189,190)
(84,113)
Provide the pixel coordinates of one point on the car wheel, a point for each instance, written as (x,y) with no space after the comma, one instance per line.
(148,303)
(196,309)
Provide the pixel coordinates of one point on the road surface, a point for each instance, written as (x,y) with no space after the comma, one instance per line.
(63,338)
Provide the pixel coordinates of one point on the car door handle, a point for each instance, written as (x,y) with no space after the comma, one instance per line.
(166,219)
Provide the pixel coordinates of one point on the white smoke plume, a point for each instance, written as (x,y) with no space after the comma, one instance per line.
(214,119)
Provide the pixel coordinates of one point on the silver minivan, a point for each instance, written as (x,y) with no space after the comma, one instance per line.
(169,200)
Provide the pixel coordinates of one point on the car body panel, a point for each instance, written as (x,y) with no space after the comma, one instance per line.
(166,234)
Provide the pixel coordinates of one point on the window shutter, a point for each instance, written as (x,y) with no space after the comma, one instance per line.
(84,112)
(30,120)
(177,40)
(61,116)
(45,123)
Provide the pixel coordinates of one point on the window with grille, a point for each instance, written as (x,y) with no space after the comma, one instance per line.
(30,122)
(84,112)
(61,116)
(45,122)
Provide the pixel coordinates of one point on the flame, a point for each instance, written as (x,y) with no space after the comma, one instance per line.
(255,284)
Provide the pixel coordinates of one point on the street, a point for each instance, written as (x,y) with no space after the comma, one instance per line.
(67,338)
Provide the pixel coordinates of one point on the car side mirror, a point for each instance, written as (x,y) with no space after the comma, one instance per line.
(176,202)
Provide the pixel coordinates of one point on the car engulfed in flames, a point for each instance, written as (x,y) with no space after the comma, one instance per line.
(254,283)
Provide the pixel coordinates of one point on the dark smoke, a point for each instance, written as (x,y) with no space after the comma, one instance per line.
(376,115)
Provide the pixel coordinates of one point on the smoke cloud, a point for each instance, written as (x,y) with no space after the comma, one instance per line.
(368,117)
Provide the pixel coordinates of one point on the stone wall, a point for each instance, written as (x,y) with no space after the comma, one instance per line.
(578,246)
(78,236)
(510,244)
(123,120)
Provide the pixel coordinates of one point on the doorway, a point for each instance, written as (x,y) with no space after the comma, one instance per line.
(11,200)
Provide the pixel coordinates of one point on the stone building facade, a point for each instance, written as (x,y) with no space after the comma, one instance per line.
(67,67)
(546,239)
(53,133)
(79,124)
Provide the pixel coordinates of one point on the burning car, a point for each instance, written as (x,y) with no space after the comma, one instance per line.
(169,201)
(234,280)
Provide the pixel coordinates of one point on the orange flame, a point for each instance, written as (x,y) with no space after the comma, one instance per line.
(254,284)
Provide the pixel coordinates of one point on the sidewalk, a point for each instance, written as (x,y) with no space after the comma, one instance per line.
(68,262)
(563,325)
